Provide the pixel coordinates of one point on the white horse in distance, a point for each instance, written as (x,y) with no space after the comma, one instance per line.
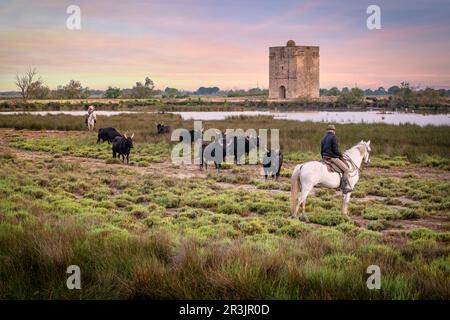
(92,119)
(315,173)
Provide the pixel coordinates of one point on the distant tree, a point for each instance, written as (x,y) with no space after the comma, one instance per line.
(27,82)
(57,93)
(358,93)
(254,91)
(149,83)
(171,92)
(112,93)
(207,90)
(380,92)
(333,91)
(393,90)
(354,96)
(345,90)
(442,92)
(323,92)
(74,90)
(429,96)
(39,91)
(404,96)
(246,93)
(141,91)
(368,92)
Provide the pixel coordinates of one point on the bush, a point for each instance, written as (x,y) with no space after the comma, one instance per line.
(377,225)
(377,212)
(230,208)
(422,233)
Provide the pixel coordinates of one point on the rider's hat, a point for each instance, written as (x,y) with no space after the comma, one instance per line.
(331,127)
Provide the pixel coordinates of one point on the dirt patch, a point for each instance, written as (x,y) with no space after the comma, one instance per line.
(225,185)
(398,228)
(435,223)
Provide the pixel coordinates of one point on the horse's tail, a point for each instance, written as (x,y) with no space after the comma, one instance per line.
(295,188)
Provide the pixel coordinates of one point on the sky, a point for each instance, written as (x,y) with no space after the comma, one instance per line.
(191,43)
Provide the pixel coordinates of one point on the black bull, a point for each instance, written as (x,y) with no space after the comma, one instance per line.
(161,128)
(122,147)
(223,146)
(107,134)
(272,162)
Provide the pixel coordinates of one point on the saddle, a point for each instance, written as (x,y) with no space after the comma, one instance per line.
(331,166)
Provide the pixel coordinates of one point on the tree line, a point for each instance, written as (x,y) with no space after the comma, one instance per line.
(400,96)
(31,86)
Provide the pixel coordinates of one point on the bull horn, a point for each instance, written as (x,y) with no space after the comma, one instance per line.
(125,135)
(132,135)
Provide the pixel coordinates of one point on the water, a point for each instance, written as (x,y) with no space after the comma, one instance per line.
(394,118)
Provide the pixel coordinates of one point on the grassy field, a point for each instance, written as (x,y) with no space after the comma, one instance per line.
(156,230)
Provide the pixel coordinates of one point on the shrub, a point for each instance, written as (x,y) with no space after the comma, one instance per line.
(230,208)
(327,218)
(422,233)
(377,225)
(377,212)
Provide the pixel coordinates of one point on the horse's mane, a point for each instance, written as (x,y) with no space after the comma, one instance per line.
(360,146)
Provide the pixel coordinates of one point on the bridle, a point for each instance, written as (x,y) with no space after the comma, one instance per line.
(356,168)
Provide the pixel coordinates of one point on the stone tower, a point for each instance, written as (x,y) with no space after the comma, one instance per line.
(293,72)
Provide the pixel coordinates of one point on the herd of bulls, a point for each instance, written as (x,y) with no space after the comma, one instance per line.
(216,151)
(121,144)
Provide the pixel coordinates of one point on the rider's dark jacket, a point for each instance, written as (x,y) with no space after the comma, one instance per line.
(329,146)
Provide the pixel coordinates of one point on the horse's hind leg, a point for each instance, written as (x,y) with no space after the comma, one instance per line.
(302,201)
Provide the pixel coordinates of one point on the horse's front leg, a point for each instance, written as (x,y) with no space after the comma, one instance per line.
(345,201)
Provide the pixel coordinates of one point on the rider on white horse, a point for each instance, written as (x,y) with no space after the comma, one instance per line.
(91,118)
(315,173)
(330,151)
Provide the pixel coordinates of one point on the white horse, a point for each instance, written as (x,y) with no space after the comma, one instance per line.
(313,173)
(92,118)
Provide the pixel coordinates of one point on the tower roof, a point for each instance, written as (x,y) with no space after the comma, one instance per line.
(290,43)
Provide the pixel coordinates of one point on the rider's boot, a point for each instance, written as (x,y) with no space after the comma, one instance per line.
(345,185)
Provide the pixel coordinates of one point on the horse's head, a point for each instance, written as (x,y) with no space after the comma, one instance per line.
(367,150)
